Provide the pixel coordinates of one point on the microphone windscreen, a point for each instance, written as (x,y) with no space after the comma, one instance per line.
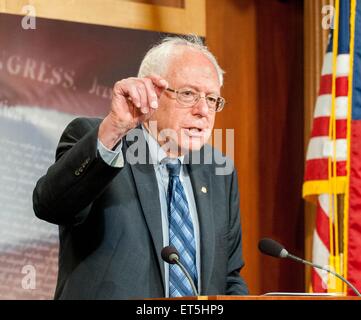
(168,254)
(270,247)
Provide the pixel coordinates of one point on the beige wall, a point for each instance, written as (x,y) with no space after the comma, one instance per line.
(260,45)
(121,13)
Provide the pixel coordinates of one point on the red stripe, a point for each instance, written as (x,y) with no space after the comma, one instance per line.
(322,226)
(316,282)
(342,86)
(341,170)
(321,127)
(317,169)
(325,84)
(341,129)
(354,227)
(322,229)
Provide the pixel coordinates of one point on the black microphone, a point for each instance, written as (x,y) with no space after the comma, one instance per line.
(171,256)
(273,248)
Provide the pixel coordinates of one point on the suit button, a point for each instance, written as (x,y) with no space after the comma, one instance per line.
(85,163)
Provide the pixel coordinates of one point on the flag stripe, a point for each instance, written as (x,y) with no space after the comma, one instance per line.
(341,86)
(327,63)
(322,147)
(326,84)
(343,65)
(317,281)
(323,106)
(322,219)
(341,107)
(320,257)
(317,169)
(321,127)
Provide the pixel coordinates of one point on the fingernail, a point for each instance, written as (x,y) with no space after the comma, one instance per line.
(154,104)
(163,83)
(144,110)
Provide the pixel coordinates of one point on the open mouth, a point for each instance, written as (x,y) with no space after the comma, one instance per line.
(194,132)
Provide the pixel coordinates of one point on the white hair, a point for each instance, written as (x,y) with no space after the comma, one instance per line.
(157,58)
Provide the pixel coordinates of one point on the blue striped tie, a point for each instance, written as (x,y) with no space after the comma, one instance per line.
(181,235)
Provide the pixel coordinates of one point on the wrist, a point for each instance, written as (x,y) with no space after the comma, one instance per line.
(110,134)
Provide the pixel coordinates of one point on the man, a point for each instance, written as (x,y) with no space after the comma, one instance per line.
(124,187)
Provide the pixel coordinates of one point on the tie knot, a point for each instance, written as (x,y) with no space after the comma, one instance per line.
(174,168)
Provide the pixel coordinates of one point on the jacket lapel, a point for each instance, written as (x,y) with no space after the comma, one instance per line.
(202,189)
(147,188)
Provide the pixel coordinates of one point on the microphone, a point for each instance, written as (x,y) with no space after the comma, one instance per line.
(273,248)
(171,256)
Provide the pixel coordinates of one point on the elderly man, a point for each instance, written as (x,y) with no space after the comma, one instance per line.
(124,187)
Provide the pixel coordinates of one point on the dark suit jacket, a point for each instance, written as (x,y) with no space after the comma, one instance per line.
(110,222)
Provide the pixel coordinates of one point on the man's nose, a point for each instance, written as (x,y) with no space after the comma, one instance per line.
(201,107)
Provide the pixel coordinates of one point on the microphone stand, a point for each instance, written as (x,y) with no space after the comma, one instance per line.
(291,256)
(180,265)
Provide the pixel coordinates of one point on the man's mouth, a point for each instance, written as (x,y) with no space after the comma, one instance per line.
(194,132)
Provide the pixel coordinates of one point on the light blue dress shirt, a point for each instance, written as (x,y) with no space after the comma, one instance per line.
(157,154)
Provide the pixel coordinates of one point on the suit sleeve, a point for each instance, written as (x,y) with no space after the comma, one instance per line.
(235,283)
(79,175)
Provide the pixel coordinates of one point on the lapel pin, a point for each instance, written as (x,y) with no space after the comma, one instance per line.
(204,189)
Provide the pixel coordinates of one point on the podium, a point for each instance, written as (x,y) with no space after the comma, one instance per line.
(213,306)
(264,297)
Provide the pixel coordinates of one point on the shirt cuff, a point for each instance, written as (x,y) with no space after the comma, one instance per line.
(114,158)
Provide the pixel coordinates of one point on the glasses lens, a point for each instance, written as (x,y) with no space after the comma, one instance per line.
(220,104)
(212,101)
(187,96)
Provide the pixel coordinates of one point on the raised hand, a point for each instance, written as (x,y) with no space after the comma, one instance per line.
(134,101)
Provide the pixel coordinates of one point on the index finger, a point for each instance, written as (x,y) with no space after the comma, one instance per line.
(158,81)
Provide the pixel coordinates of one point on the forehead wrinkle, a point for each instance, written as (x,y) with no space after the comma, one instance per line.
(188,62)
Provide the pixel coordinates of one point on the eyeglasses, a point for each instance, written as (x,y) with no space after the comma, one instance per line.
(189,97)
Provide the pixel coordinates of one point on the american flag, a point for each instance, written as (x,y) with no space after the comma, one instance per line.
(333,160)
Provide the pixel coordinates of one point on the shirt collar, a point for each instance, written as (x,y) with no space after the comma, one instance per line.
(157,154)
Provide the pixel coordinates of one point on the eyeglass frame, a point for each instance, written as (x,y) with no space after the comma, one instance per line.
(219,99)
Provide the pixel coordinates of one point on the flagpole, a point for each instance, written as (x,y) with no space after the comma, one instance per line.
(332,159)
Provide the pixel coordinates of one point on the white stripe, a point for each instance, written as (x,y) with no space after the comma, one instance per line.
(327,64)
(341,107)
(324,201)
(343,65)
(324,106)
(315,148)
(322,148)
(320,256)
(341,149)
